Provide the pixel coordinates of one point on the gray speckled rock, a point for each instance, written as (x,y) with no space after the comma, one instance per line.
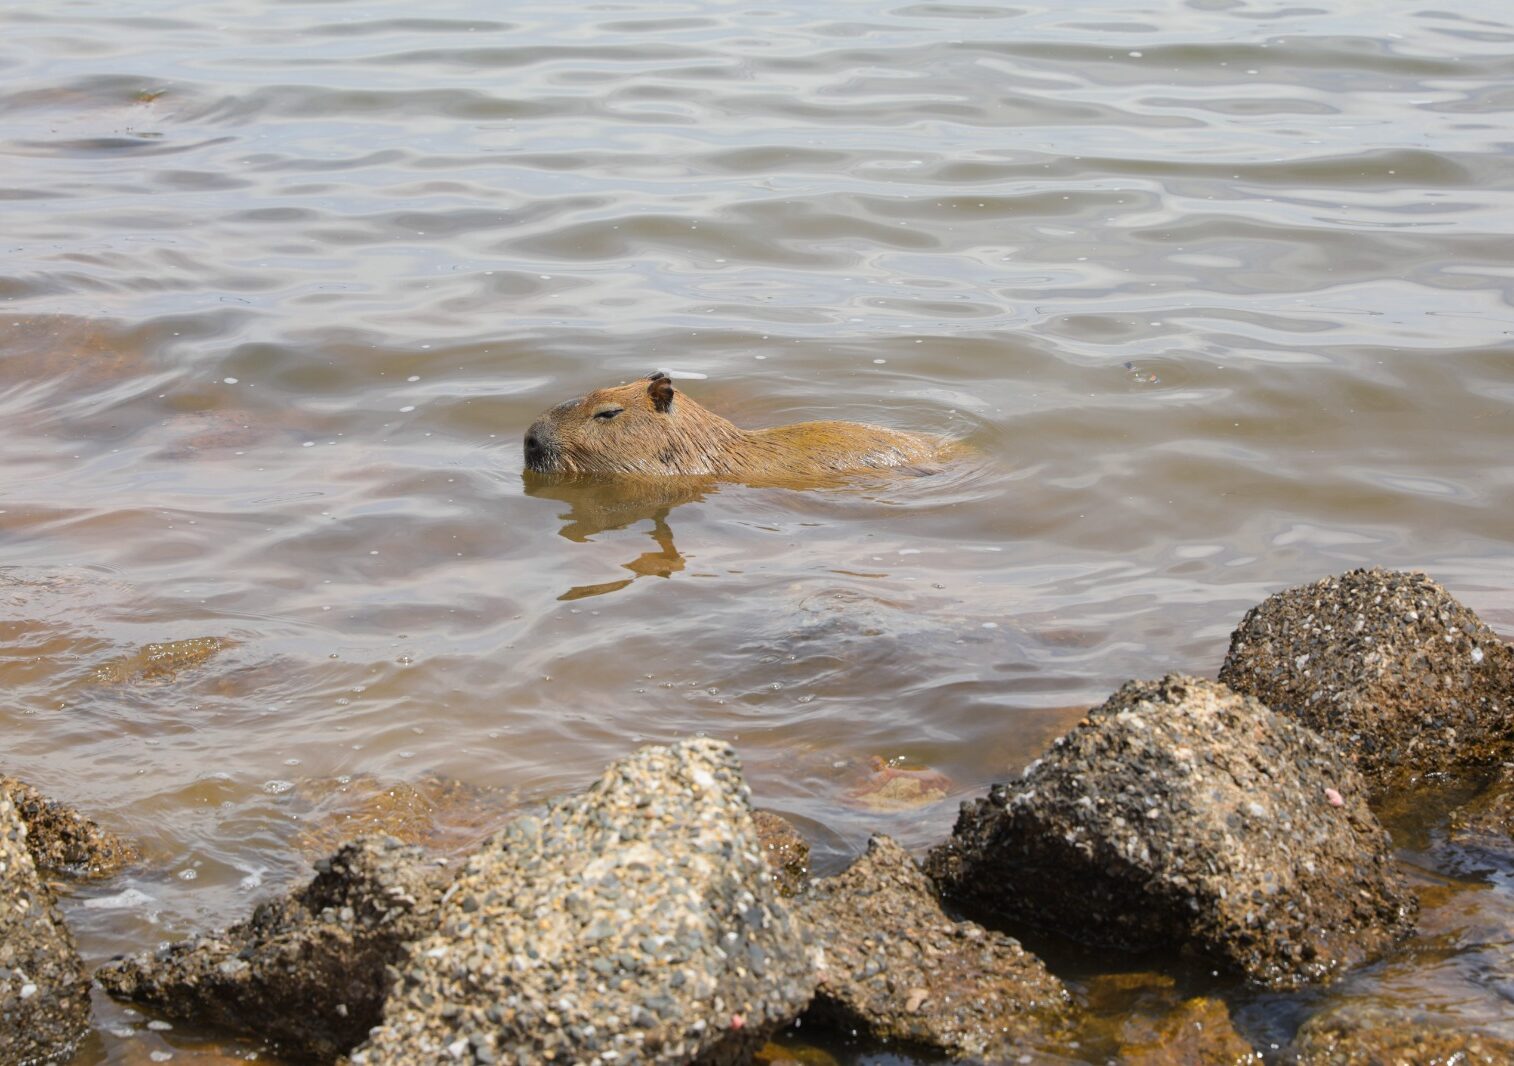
(44,990)
(1385,664)
(62,839)
(895,966)
(1359,1035)
(1180,813)
(306,971)
(634,923)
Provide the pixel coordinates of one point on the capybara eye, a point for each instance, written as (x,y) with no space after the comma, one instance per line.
(608,413)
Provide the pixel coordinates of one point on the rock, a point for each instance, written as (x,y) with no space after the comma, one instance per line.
(787,853)
(1362,1036)
(61,839)
(790,1054)
(1146,1022)
(895,966)
(1180,813)
(893,785)
(157,664)
(635,922)
(1387,665)
(1198,1031)
(44,989)
(1487,821)
(306,971)
(438,813)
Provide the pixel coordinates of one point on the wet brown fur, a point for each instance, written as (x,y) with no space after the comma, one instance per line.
(661,431)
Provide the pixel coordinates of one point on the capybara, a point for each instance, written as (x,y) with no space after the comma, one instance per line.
(648,427)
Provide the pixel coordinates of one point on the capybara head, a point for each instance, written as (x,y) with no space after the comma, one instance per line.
(645,427)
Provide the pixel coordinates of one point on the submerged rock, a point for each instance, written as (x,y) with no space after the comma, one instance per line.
(787,853)
(1386,664)
(1145,1021)
(306,971)
(44,989)
(894,785)
(157,664)
(438,813)
(1362,1036)
(895,966)
(635,922)
(1487,821)
(60,838)
(1180,813)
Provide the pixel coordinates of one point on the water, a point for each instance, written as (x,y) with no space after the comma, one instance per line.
(1218,293)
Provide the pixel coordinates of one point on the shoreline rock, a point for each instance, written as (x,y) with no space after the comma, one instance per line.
(1181,813)
(60,838)
(308,971)
(895,966)
(786,851)
(44,989)
(634,922)
(1360,1035)
(1387,665)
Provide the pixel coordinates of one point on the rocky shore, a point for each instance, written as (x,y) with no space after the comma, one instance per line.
(657,918)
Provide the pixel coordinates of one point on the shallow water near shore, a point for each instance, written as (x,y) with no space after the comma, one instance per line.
(1216,294)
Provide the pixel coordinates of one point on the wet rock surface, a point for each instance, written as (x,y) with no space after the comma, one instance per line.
(1487,822)
(1143,1020)
(787,853)
(891,785)
(1367,1036)
(634,922)
(306,971)
(438,813)
(896,967)
(157,664)
(44,990)
(61,839)
(1180,813)
(1386,664)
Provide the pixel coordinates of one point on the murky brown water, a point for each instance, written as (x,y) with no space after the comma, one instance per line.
(1219,292)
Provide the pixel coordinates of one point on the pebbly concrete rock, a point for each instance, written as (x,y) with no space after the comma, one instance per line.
(895,966)
(1180,813)
(1387,665)
(1354,1035)
(62,839)
(787,853)
(44,989)
(633,923)
(1487,821)
(306,971)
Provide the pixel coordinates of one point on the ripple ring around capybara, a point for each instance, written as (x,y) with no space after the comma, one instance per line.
(647,427)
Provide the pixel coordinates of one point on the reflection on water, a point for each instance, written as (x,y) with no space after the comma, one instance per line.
(1217,295)
(597,505)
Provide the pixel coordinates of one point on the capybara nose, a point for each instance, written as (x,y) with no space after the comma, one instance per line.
(536,447)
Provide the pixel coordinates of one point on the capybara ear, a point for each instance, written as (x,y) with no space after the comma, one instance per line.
(660,388)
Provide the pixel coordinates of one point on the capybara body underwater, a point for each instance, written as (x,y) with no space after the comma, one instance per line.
(647,427)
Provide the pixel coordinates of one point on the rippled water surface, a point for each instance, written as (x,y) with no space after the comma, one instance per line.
(1217,293)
